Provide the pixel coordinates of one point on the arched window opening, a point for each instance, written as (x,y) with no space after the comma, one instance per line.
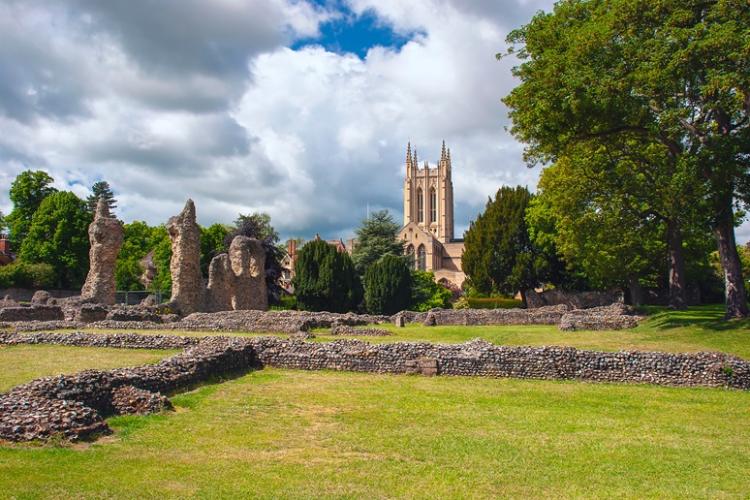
(421,258)
(433,205)
(420,205)
(411,256)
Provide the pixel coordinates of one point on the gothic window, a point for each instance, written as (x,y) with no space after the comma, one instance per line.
(421,258)
(433,205)
(410,254)
(420,206)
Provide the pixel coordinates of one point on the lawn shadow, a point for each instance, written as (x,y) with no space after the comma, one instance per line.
(708,317)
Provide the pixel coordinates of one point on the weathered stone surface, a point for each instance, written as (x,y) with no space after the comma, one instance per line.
(399,320)
(543,316)
(41,298)
(149,301)
(237,280)
(134,313)
(187,284)
(129,400)
(33,313)
(8,302)
(90,313)
(349,330)
(105,237)
(574,300)
(612,317)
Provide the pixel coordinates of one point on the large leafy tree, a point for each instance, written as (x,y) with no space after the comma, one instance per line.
(58,236)
(140,240)
(388,285)
(674,72)
(27,192)
(376,237)
(498,253)
(213,242)
(325,279)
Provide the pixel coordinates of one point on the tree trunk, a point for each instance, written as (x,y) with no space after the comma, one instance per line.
(677,295)
(734,287)
(522,292)
(636,291)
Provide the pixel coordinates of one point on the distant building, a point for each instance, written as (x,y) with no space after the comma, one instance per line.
(427,233)
(6,257)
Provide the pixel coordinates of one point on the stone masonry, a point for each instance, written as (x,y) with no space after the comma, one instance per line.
(105,236)
(187,283)
(237,281)
(74,406)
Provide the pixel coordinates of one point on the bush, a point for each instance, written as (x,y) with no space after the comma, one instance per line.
(325,279)
(426,294)
(25,275)
(388,285)
(493,303)
(286,303)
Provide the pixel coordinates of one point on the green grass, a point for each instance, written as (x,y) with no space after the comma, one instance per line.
(22,363)
(293,434)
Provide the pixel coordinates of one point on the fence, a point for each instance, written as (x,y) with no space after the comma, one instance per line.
(134,297)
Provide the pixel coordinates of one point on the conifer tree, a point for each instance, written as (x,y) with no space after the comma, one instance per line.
(325,279)
(101,189)
(376,237)
(388,285)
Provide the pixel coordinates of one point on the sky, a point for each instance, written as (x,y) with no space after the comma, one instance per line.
(298,108)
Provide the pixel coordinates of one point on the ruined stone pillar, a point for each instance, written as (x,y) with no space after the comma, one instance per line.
(105,235)
(187,283)
(248,260)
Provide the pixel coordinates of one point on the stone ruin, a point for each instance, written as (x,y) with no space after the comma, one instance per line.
(185,266)
(74,406)
(237,280)
(106,236)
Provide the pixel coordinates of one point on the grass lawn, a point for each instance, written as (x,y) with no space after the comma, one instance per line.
(294,434)
(23,363)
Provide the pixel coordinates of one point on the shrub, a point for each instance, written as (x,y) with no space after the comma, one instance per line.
(25,275)
(325,279)
(493,303)
(388,285)
(426,294)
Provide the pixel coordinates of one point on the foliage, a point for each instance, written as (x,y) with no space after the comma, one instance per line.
(493,303)
(672,73)
(388,285)
(3,223)
(426,294)
(256,225)
(140,239)
(25,275)
(58,236)
(213,242)
(325,279)
(101,189)
(376,237)
(499,256)
(26,193)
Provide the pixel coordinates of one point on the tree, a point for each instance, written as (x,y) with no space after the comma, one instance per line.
(140,239)
(325,279)
(376,237)
(58,235)
(258,226)
(674,72)
(498,253)
(213,242)
(388,284)
(3,224)
(101,189)
(27,192)
(426,294)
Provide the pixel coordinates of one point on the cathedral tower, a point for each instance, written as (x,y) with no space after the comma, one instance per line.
(428,195)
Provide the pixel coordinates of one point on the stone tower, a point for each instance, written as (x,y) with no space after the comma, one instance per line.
(428,195)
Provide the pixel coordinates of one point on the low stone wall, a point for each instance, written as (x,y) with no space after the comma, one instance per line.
(25,294)
(439,317)
(612,317)
(74,405)
(119,340)
(354,331)
(574,300)
(33,313)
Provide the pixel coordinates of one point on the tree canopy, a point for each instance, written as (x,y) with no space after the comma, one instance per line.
(388,285)
(325,279)
(674,73)
(376,237)
(58,236)
(101,189)
(27,192)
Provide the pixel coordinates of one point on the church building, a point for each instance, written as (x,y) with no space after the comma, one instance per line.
(428,218)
